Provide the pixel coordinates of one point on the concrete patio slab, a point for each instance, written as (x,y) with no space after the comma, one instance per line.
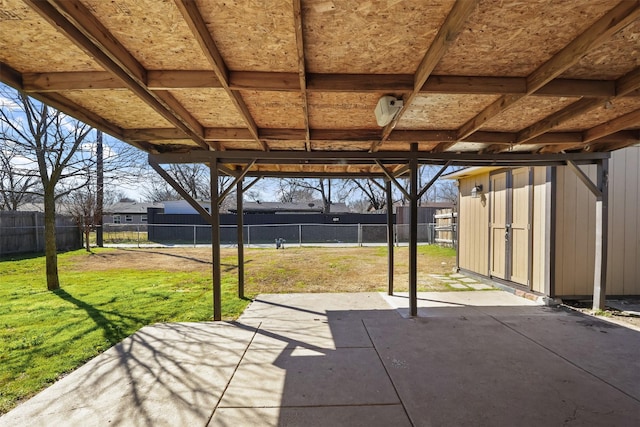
(319,333)
(165,374)
(452,371)
(352,416)
(346,376)
(471,358)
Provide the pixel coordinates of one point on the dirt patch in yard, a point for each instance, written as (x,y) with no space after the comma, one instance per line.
(361,269)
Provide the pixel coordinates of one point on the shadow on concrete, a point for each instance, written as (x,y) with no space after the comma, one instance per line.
(350,359)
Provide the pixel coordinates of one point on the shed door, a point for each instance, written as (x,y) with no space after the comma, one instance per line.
(498,223)
(519,230)
(510,234)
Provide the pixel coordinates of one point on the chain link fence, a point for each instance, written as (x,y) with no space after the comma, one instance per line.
(264,235)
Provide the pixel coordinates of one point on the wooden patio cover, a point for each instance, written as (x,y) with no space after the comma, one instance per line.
(277,87)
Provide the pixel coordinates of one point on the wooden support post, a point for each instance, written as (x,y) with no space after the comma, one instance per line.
(215,241)
(602,232)
(240,225)
(413,235)
(389,236)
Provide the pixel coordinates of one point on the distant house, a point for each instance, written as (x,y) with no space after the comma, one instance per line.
(290,208)
(315,207)
(128,212)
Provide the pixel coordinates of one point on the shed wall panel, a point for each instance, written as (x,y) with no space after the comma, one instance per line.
(575,243)
(540,226)
(474,226)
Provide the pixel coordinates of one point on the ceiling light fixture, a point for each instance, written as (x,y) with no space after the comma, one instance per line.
(387,108)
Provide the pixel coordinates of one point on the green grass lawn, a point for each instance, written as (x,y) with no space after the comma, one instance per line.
(109,294)
(46,334)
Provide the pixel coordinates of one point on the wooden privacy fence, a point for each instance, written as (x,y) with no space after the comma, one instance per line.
(446,227)
(23,232)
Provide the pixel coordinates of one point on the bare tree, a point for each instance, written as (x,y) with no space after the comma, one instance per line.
(372,194)
(58,153)
(52,140)
(17,180)
(193,178)
(306,190)
(82,205)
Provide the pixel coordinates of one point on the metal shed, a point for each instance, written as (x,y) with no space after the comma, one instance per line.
(533,228)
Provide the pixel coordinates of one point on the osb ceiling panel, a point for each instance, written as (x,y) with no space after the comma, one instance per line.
(211,107)
(253,35)
(32,40)
(606,112)
(262,75)
(331,110)
(340,145)
(119,107)
(153,31)
(443,111)
(513,38)
(527,112)
(287,145)
(611,60)
(275,109)
(405,146)
(375,36)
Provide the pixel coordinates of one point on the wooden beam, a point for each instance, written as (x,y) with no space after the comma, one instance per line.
(81,27)
(629,83)
(422,136)
(626,121)
(289,82)
(83,80)
(359,82)
(227,134)
(614,141)
(556,119)
(297,20)
(616,19)
(194,20)
(448,32)
(181,79)
(257,80)
(10,76)
(577,88)
(613,21)
(150,134)
(474,85)
(625,85)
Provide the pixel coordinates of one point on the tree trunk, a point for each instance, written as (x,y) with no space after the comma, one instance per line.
(87,233)
(50,248)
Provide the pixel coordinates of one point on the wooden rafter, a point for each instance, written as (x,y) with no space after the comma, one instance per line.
(447,33)
(289,82)
(501,139)
(297,20)
(194,20)
(612,126)
(616,19)
(605,144)
(82,28)
(623,86)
